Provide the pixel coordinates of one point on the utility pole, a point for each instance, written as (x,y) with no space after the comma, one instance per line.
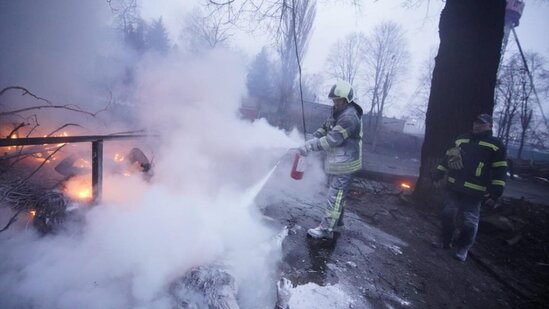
(513,13)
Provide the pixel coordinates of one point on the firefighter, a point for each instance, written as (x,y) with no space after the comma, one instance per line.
(476,167)
(341,138)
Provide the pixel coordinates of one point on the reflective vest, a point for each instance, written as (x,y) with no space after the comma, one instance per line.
(341,138)
(484,166)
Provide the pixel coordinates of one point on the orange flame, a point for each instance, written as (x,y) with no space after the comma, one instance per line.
(405,186)
(118,158)
(82,163)
(84,194)
(64,134)
(32,213)
(79,189)
(12,136)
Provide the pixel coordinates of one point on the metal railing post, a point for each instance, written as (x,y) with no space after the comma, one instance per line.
(97,170)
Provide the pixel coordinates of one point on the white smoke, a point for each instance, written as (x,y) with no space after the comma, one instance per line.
(53,47)
(66,52)
(146,234)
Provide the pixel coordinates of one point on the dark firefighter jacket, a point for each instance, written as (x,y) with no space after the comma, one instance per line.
(341,138)
(484,166)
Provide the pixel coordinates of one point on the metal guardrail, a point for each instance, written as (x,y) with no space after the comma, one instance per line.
(97,152)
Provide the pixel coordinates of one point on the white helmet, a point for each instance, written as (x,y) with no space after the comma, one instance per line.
(342,89)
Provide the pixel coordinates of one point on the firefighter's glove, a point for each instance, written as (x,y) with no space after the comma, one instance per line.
(310,145)
(303,151)
(455,161)
(489,201)
(283,293)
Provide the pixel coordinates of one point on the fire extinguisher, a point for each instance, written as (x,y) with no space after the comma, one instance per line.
(298,166)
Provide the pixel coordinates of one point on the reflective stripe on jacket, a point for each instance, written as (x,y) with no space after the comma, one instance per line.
(341,138)
(484,166)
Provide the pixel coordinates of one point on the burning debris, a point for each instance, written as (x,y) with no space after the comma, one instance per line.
(42,192)
(49,204)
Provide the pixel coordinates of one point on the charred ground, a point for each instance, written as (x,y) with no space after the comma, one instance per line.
(383,256)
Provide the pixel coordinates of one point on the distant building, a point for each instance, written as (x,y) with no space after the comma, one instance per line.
(393,124)
(414,126)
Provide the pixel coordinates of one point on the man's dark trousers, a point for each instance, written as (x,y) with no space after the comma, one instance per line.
(469,206)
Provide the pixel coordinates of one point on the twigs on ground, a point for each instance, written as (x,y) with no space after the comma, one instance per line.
(47,206)
(361,185)
(44,162)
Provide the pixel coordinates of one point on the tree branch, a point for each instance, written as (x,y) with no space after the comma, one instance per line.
(67,107)
(25,92)
(62,127)
(42,164)
(19,126)
(221,3)
(70,107)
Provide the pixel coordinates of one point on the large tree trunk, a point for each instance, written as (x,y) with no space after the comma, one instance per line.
(464,79)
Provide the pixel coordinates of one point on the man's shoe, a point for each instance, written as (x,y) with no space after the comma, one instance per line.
(320,233)
(461,254)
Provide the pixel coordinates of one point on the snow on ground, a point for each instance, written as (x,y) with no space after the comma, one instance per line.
(313,296)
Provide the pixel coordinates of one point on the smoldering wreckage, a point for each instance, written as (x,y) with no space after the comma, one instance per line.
(69,184)
(46,190)
(48,207)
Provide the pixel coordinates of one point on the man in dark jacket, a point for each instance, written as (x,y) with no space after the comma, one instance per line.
(476,167)
(341,139)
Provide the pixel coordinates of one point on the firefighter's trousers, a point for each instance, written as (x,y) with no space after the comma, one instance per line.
(469,207)
(338,186)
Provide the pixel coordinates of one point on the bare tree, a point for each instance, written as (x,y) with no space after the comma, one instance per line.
(346,59)
(254,11)
(126,14)
(525,120)
(535,63)
(386,55)
(311,86)
(418,101)
(295,30)
(509,95)
(513,97)
(205,30)
(464,79)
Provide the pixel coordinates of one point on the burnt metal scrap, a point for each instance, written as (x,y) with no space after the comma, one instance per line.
(136,156)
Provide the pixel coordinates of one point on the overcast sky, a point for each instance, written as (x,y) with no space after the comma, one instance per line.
(335,19)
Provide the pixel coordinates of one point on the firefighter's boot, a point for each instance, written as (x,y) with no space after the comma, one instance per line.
(461,254)
(340,223)
(320,233)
